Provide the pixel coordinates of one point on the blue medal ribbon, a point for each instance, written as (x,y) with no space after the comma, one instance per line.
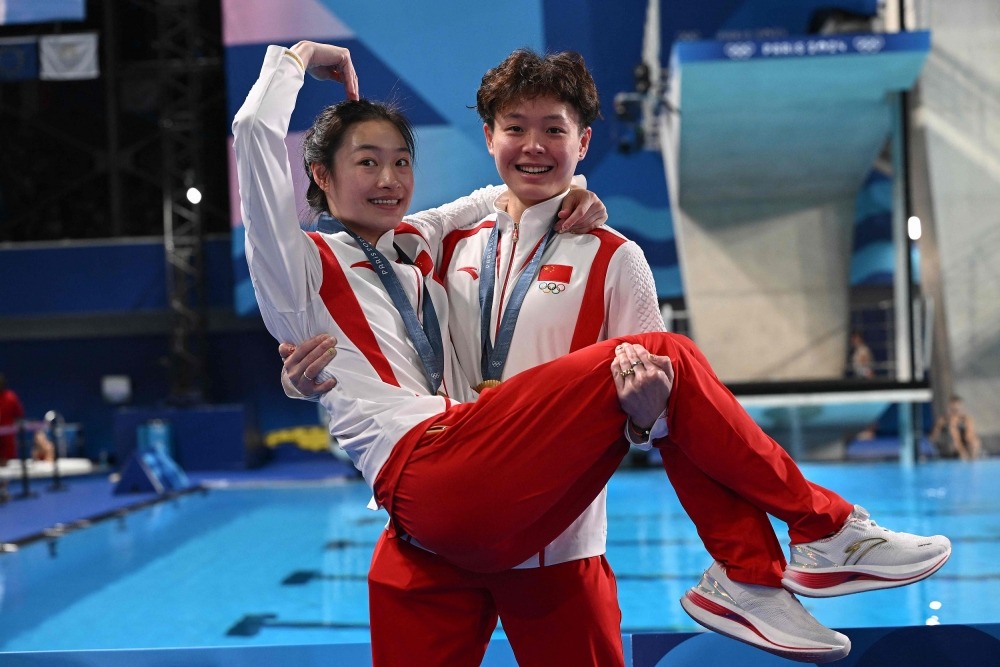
(426,338)
(494,358)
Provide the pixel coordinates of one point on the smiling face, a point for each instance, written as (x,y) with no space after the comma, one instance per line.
(370,184)
(536,143)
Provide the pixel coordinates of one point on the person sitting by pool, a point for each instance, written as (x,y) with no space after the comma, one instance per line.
(954,433)
(42,447)
(485,484)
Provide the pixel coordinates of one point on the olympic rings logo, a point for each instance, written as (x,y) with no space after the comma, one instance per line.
(739,50)
(552,288)
(869,44)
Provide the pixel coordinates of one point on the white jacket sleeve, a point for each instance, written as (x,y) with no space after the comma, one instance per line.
(284,263)
(633,307)
(436,223)
(630,292)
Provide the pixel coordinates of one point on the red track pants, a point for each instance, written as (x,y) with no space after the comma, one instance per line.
(487,484)
(426,611)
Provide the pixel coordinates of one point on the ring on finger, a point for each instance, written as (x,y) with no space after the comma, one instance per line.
(637,363)
(627,372)
(306,377)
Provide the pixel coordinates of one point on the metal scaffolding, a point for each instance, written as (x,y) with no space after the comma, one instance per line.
(181,71)
(183,75)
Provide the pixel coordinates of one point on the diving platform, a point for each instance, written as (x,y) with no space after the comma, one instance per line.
(766,144)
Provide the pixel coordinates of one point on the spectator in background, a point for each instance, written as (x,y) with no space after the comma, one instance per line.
(862,361)
(11,411)
(42,448)
(954,433)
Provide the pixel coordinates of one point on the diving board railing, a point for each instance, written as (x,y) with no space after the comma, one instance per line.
(806,418)
(811,416)
(26,466)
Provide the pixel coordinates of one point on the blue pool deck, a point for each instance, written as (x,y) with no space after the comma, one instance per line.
(951,619)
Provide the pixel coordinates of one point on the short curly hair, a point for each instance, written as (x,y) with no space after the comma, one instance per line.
(525,74)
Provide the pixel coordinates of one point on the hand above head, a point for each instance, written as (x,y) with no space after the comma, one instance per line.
(327,62)
(304,362)
(581,211)
(643,382)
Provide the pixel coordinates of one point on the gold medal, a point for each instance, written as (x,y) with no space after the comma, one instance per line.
(487,384)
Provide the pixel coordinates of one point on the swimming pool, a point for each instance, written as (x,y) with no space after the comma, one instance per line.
(189,571)
(238,566)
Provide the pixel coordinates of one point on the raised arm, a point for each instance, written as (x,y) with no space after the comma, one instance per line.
(284,269)
(284,264)
(581,212)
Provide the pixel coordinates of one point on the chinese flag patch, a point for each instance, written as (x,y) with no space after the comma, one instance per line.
(556,273)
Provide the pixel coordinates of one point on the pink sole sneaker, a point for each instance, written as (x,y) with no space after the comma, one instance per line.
(770,619)
(863,556)
(845,580)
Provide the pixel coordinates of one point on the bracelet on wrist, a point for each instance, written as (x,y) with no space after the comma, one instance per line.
(640,433)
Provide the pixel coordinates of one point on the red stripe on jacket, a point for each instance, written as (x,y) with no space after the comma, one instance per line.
(591,318)
(423,260)
(451,242)
(349,315)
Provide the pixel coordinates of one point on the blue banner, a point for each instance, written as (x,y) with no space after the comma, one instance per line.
(802,47)
(41,11)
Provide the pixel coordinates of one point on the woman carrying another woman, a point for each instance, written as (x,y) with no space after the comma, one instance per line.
(487,484)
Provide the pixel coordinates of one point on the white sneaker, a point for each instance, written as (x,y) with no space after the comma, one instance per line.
(863,556)
(763,616)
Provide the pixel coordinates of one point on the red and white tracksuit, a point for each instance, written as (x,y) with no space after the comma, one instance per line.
(485,484)
(589,287)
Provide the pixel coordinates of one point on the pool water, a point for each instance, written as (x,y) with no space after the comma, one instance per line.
(187,571)
(239,566)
